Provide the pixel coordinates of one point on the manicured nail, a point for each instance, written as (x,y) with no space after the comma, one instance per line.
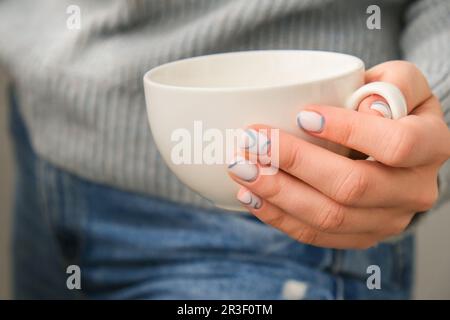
(249,199)
(310,121)
(243,169)
(265,159)
(255,142)
(382,108)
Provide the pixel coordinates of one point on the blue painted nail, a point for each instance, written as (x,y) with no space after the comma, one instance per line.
(310,121)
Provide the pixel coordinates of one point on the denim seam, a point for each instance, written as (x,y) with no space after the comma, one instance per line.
(335,267)
(48,214)
(54,212)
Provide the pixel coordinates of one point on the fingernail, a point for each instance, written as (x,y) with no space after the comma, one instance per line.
(310,121)
(382,108)
(265,159)
(255,142)
(243,169)
(249,199)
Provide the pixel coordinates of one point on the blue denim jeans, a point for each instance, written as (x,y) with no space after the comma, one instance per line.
(131,246)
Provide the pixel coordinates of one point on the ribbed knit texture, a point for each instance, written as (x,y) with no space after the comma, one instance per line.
(81,93)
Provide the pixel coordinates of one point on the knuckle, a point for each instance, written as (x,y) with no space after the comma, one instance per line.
(270,190)
(427,199)
(407,66)
(406,69)
(346,132)
(398,227)
(415,79)
(331,217)
(293,159)
(276,221)
(306,236)
(395,227)
(409,70)
(351,187)
(400,147)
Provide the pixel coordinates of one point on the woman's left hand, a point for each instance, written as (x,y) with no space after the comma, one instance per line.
(325,199)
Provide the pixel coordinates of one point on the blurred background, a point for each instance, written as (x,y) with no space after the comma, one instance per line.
(433,255)
(6,187)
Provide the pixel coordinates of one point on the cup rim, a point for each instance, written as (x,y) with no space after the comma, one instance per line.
(359,64)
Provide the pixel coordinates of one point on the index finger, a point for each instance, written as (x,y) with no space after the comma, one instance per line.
(398,143)
(406,77)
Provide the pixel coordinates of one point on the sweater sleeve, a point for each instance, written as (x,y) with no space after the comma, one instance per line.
(426,42)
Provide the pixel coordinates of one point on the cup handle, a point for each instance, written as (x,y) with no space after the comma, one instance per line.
(388,91)
(393,96)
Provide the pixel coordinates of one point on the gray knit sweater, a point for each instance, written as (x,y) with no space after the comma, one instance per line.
(81,94)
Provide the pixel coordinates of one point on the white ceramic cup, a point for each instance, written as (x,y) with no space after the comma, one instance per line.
(233,90)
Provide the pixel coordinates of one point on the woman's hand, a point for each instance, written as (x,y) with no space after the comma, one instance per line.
(324,199)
